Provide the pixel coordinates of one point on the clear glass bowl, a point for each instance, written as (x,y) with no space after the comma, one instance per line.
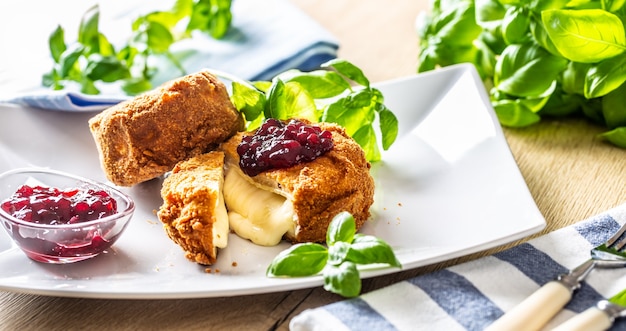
(64,243)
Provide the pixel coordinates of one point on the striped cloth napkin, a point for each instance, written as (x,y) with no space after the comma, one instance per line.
(472,295)
(266,38)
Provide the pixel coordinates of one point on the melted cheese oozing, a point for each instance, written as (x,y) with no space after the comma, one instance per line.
(220,227)
(256,214)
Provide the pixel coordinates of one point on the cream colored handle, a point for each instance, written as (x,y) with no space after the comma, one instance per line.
(592,319)
(535,311)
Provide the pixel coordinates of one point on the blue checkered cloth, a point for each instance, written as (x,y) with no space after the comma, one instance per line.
(266,38)
(472,295)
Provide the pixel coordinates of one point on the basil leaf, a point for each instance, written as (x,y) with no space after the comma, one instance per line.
(489,13)
(212,16)
(341,229)
(262,85)
(575,77)
(299,260)
(88,30)
(388,127)
(105,47)
(69,59)
(343,280)
(159,38)
(541,37)
(616,136)
(527,71)
(516,25)
(182,8)
(367,249)
(290,100)
(349,70)
(88,87)
(366,138)
(428,58)
(56,42)
(588,35)
(108,69)
(604,77)
(456,25)
(274,105)
(52,79)
(352,111)
(613,108)
(337,252)
(615,5)
(220,23)
(485,58)
(248,100)
(535,104)
(514,114)
(321,84)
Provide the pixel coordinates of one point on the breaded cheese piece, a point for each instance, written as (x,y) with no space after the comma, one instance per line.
(146,136)
(298,203)
(193,212)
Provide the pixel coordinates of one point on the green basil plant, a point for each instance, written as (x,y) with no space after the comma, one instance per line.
(538,58)
(92,57)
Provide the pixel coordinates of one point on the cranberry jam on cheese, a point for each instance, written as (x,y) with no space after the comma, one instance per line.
(282,145)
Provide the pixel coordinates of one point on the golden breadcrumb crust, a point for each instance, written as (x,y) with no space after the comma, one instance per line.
(146,136)
(337,181)
(190,194)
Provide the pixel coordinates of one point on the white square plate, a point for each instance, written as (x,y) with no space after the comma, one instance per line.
(448,187)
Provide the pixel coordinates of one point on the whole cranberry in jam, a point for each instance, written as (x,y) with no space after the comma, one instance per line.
(281,145)
(48,205)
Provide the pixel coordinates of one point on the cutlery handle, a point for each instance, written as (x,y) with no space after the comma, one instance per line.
(536,310)
(592,319)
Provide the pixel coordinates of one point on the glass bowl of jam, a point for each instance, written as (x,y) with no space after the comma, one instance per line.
(55,217)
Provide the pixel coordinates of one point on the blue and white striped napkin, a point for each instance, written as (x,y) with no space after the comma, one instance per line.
(266,38)
(472,295)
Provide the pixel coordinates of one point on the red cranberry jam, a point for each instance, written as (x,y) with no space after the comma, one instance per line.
(47,205)
(282,145)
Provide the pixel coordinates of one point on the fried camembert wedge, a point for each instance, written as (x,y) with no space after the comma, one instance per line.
(144,137)
(193,211)
(298,202)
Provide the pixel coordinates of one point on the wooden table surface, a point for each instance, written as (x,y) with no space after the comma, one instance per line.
(571,175)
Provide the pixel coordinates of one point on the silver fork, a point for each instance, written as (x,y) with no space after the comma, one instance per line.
(539,308)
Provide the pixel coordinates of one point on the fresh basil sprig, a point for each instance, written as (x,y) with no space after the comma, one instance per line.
(539,58)
(93,58)
(325,95)
(338,260)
